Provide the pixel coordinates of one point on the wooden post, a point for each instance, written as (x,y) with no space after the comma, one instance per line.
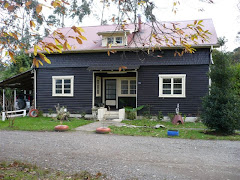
(3,100)
(15,98)
(3,106)
(35,89)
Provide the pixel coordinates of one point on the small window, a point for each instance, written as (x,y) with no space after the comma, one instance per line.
(98,86)
(119,40)
(172,85)
(110,40)
(128,87)
(62,85)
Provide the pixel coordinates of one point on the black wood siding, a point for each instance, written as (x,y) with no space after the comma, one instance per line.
(201,56)
(196,87)
(82,99)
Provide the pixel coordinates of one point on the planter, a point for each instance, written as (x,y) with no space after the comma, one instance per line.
(61,128)
(103,130)
(173,133)
(33,113)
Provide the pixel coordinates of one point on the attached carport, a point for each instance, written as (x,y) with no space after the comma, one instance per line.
(24,81)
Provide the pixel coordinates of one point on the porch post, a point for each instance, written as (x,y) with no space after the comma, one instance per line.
(136,88)
(35,89)
(3,106)
(3,100)
(15,98)
(93,90)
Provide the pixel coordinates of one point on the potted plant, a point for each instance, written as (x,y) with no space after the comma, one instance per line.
(62,115)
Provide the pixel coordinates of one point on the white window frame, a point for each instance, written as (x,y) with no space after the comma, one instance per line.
(54,78)
(172,76)
(120,87)
(98,88)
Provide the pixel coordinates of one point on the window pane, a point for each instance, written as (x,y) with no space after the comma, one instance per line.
(124,91)
(177,91)
(166,80)
(67,86)
(166,91)
(66,91)
(58,91)
(177,80)
(179,86)
(132,91)
(58,81)
(119,40)
(110,40)
(59,86)
(124,82)
(67,81)
(167,86)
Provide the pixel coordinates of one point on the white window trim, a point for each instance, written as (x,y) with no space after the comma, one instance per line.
(182,76)
(100,87)
(120,87)
(54,78)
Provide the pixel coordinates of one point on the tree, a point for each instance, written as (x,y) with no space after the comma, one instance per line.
(22,64)
(30,17)
(221,106)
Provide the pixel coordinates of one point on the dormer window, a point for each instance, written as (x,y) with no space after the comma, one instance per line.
(114,38)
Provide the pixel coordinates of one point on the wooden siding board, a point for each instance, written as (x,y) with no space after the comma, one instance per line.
(82,99)
(201,56)
(197,83)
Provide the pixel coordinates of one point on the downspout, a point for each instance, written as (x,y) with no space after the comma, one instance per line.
(210,63)
(35,88)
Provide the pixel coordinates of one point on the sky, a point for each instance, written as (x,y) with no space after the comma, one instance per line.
(224,13)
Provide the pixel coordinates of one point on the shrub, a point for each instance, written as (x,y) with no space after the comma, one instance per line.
(160,116)
(221,106)
(131,113)
(62,113)
(171,116)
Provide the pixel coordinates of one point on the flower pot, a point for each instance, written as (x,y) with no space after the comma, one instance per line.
(173,133)
(103,130)
(61,128)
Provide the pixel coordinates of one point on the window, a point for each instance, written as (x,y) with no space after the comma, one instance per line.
(110,40)
(115,40)
(172,85)
(119,40)
(62,85)
(98,86)
(128,87)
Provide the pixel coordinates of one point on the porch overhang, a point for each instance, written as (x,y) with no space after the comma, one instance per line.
(112,68)
(20,81)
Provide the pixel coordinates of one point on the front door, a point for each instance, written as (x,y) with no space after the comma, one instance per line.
(110,92)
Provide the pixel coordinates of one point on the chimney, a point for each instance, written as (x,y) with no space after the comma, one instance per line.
(139,23)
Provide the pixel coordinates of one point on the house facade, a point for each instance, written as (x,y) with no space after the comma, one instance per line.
(89,76)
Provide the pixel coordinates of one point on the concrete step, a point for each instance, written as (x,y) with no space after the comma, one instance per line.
(112,115)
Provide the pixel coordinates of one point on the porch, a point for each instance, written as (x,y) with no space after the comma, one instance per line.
(113,90)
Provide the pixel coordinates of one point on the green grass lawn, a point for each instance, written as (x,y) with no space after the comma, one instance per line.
(18,171)
(188,130)
(40,124)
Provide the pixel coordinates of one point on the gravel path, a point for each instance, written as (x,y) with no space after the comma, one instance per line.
(124,157)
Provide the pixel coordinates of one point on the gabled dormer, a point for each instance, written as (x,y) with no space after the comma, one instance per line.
(114,38)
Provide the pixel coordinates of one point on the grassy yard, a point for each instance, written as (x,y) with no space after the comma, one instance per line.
(40,124)
(18,171)
(186,131)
